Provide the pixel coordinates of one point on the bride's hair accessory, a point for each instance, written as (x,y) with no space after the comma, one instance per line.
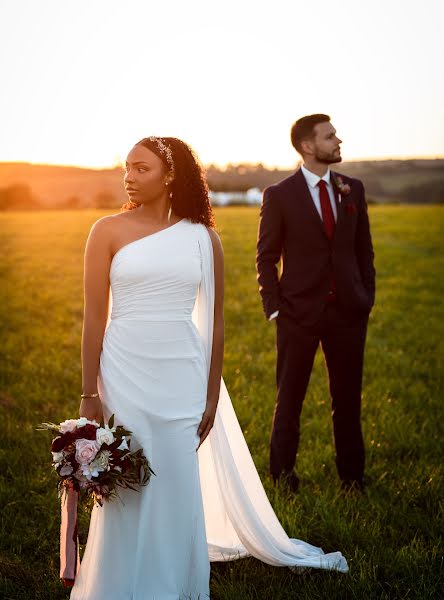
(163,149)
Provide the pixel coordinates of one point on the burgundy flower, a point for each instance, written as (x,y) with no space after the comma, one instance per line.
(61,442)
(350,208)
(116,457)
(57,444)
(87,432)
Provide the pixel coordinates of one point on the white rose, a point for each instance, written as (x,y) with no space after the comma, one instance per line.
(66,470)
(104,435)
(84,421)
(86,451)
(123,445)
(57,457)
(68,425)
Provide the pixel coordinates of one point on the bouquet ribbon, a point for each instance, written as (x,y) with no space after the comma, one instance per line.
(69,544)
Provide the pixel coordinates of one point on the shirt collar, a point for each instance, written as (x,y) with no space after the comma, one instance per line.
(313,179)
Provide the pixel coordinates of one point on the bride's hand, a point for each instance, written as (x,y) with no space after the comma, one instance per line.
(206,423)
(91,408)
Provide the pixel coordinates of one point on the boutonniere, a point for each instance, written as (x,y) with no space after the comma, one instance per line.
(350,208)
(343,188)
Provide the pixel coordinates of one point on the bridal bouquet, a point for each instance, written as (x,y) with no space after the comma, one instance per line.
(96,458)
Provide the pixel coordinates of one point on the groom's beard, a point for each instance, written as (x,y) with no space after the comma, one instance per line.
(328,158)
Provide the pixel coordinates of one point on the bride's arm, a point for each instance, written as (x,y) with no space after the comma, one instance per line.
(217,353)
(96,299)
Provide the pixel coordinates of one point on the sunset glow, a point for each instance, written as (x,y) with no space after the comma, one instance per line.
(83,81)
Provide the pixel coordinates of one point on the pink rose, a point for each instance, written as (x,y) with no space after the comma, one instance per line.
(68,425)
(86,451)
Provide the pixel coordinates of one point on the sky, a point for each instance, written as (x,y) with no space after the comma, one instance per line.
(82,81)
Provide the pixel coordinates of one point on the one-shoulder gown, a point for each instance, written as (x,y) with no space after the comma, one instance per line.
(154,544)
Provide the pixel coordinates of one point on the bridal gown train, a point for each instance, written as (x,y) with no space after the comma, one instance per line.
(202,506)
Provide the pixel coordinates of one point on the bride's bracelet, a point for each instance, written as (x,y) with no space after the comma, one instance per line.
(89,396)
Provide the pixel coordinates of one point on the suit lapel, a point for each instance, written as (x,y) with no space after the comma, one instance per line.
(336,192)
(345,200)
(338,200)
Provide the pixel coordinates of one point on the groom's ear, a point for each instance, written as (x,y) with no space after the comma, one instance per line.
(307,147)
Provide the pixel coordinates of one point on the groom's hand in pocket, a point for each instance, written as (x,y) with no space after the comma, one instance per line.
(206,423)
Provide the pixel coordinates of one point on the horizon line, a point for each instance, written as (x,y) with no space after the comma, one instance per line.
(266,165)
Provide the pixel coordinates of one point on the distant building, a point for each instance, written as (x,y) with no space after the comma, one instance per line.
(252,197)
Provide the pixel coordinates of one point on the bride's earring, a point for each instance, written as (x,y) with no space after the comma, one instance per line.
(170,210)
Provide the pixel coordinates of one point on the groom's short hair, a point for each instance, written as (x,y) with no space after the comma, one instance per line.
(303,129)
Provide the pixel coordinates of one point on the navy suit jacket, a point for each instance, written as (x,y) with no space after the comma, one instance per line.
(291,229)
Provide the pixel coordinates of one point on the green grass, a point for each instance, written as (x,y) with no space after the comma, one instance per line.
(392,536)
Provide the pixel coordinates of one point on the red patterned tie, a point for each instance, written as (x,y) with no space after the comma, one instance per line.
(327,212)
(328,219)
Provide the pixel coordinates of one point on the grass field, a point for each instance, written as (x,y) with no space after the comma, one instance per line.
(392,536)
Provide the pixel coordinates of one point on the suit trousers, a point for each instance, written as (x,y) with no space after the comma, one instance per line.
(342,338)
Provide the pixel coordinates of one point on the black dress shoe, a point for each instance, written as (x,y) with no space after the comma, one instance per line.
(288,480)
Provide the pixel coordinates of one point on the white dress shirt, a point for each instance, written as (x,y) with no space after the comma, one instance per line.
(312,183)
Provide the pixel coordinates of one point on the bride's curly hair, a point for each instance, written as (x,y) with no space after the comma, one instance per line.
(190,198)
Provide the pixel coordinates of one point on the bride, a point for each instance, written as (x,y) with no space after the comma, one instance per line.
(153,357)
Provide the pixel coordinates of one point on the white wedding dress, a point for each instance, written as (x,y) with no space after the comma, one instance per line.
(203,506)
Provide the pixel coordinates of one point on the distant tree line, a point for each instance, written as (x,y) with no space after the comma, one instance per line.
(375,176)
(242,177)
(19,196)
(409,181)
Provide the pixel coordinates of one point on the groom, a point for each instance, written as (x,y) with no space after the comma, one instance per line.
(316,221)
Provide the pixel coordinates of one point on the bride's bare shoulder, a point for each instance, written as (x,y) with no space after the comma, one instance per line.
(107,226)
(104,232)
